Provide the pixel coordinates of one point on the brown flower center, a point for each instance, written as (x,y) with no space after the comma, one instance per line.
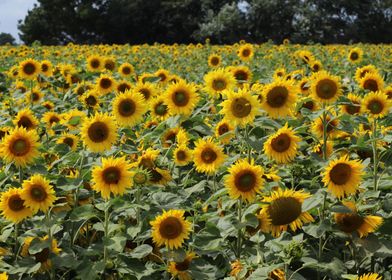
(208,155)
(105,83)
(349,222)
(44,67)
(35,96)
(20,147)
(160,109)
(38,193)
(241,75)
(180,98)
(170,228)
(146,93)
(353,109)
(98,132)
(29,68)
(284,210)
(68,141)
(246,52)
(126,70)
(184,265)
(370,84)
(219,84)
(214,61)
(42,256)
(123,87)
(241,107)
(245,181)
(326,89)
(340,174)
(109,65)
(155,176)
(308,105)
(111,175)
(375,106)
(354,56)
(281,143)
(25,122)
(223,128)
(94,63)
(53,119)
(127,107)
(15,203)
(181,155)
(91,100)
(277,97)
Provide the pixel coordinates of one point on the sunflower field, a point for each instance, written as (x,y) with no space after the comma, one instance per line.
(198,161)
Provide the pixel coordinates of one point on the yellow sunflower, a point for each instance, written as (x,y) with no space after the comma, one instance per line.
(246,52)
(159,176)
(72,119)
(355,107)
(219,80)
(208,156)
(123,86)
(163,75)
(318,149)
(244,180)
(38,194)
(46,68)
(355,55)
(277,274)
(325,88)
(34,96)
(343,176)
(105,84)
(388,92)
(214,60)
(282,146)
(20,146)
(361,72)
(51,118)
(284,209)
(240,108)
(71,140)
(372,82)
(332,127)
(170,229)
(12,206)
(159,109)
(29,69)
(182,155)
(148,90)
(241,73)
(279,98)
(179,270)
(113,176)
(109,63)
(26,119)
(99,132)
(129,108)
(369,276)
(94,63)
(224,131)
(351,222)
(3,276)
(126,70)
(181,98)
(376,104)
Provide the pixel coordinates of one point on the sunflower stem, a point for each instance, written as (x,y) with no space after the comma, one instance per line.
(20,175)
(239,238)
(16,233)
(138,190)
(247,143)
(375,155)
(325,136)
(106,225)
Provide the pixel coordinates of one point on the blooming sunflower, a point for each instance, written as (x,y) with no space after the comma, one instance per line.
(51,118)
(355,55)
(246,52)
(214,60)
(170,229)
(361,72)
(26,119)
(37,193)
(351,222)
(277,274)
(244,180)
(372,82)
(159,108)
(71,140)
(284,209)
(34,96)
(332,127)
(113,176)
(163,75)
(182,155)
(343,176)
(129,108)
(109,63)
(20,146)
(279,98)
(325,88)
(208,156)
(148,90)
(29,69)
(376,104)
(99,132)
(369,276)
(105,84)
(241,73)
(181,98)
(355,107)
(126,70)
(179,269)
(224,131)
(46,68)
(123,86)
(219,80)
(282,146)
(12,206)
(240,107)
(94,63)
(388,92)
(318,149)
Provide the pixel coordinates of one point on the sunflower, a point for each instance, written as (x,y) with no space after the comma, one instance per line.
(37,193)
(277,274)
(129,108)
(169,137)
(240,107)
(181,98)
(279,98)
(51,119)
(105,84)
(126,70)
(279,73)
(332,127)
(343,176)
(179,269)
(372,82)
(361,72)
(355,107)
(29,69)
(3,276)
(72,119)
(284,209)
(217,81)
(148,158)
(113,176)
(99,132)
(12,206)
(182,137)
(318,149)
(182,155)
(20,146)
(369,276)
(224,131)
(282,146)
(214,60)
(163,75)
(123,86)
(83,87)
(325,87)
(48,105)
(241,73)
(245,52)
(46,68)
(376,104)
(159,108)
(355,55)
(159,176)
(208,156)
(244,180)
(26,119)
(90,99)
(388,92)
(94,63)
(170,229)
(109,63)
(148,90)
(351,222)
(309,104)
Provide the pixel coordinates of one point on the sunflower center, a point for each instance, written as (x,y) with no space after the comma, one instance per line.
(241,107)
(20,147)
(284,210)
(42,256)
(180,98)
(147,163)
(111,175)
(214,61)
(25,122)
(94,63)
(340,174)
(223,128)
(105,83)
(109,65)
(246,52)
(146,93)
(38,193)
(326,89)
(218,84)
(371,85)
(350,222)
(245,181)
(353,109)
(281,143)
(98,132)
(123,87)
(53,119)
(127,107)
(208,155)
(170,138)
(241,75)
(68,141)
(375,107)
(155,176)
(331,125)
(15,203)
(181,155)
(44,67)
(91,100)
(161,109)
(308,105)
(126,70)
(389,94)
(354,56)
(184,265)
(29,68)
(170,228)
(277,96)
(316,67)
(35,96)
(163,77)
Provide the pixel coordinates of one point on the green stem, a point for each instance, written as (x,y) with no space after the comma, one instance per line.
(247,143)
(138,193)
(375,155)
(50,238)
(325,135)
(20,175)
(239,238)
(16,249)
(106,226)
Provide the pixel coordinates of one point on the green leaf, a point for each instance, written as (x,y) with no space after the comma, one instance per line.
(38,245)
(141,251)
(340,209)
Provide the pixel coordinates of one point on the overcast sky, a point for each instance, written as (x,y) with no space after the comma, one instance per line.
(10,12)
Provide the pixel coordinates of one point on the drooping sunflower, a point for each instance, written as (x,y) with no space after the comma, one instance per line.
(282,146)
(12,206)
(244,180)
(99,132)
(284,210)
(37,193)
(182,155)
(126,70)
(246,52)
(105,84)
(112,177)
(355,107)
(179,270)
(241,73)
(325,88)
(343,176)
(181,98)
(224,131)
(361,72)
(170,229)
(159,176)
(29,69)
(208,156)
(129,108)
(279,98)
(218,81)
(159,109)
(240,107)
(94,63)
(369,276)
(26,119)
(372,82)
(376,104)
(20,146)
(214,60)
(355,55)
(331,128)
(351,222)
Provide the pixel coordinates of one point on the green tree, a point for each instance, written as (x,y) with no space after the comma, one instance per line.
(6,38)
